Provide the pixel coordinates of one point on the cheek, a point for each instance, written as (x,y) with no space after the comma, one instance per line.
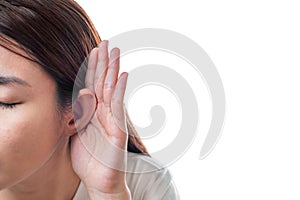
(28,136)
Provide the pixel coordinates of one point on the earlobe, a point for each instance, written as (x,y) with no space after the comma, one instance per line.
(83,108)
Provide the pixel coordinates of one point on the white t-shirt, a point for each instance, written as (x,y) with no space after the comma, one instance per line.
(156,184)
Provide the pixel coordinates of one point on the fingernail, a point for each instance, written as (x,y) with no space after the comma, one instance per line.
(103,43)
(114,54)
(126,77)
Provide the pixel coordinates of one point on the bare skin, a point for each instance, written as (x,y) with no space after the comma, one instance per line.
(35,159)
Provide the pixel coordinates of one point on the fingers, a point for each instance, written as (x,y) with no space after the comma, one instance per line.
(108,88)
(111,76)
(118,96)
(90,73)
(101,69)
(117,101)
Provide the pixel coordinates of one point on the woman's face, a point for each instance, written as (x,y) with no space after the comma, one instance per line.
(30,130)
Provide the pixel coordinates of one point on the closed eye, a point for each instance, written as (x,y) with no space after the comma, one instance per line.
(8,105)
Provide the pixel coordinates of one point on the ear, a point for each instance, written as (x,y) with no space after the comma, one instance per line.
(83,110)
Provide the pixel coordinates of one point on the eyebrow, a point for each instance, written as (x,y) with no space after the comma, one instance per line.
(10,80)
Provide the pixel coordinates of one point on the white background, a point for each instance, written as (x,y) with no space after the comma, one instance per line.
(255,46)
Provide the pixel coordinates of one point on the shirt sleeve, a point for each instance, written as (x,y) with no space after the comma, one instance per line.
(163,188)
(149,181)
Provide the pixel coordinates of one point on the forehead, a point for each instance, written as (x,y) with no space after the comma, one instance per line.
(12,64)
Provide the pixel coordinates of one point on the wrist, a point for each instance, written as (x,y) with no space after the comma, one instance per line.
(95,194)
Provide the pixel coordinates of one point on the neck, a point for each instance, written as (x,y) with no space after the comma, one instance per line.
(55,180)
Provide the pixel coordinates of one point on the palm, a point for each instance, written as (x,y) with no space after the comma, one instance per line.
(98,152)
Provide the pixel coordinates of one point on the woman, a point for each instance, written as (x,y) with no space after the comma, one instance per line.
(50,146)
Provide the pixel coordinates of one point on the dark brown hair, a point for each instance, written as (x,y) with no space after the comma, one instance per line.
(58,35)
